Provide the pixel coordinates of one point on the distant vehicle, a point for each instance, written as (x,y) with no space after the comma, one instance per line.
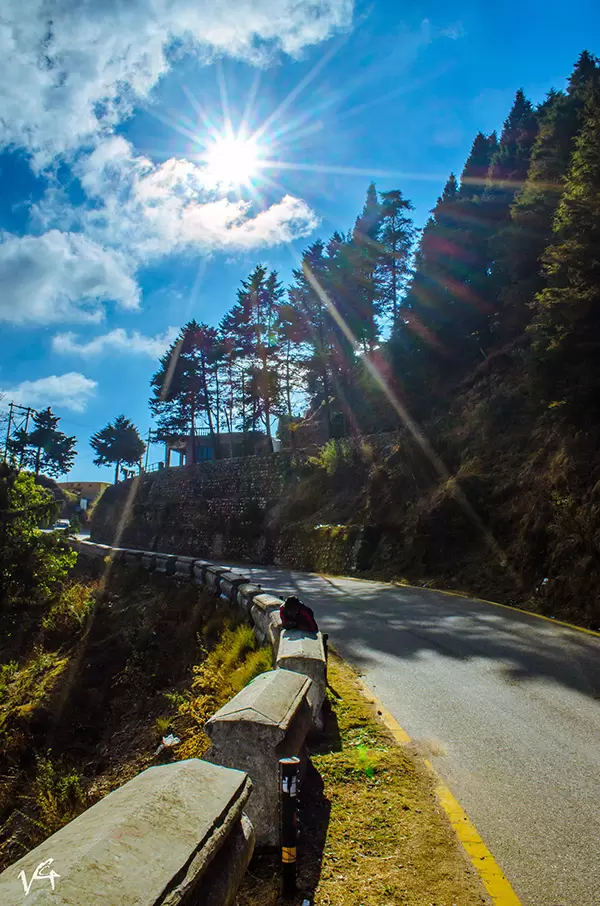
(62,524)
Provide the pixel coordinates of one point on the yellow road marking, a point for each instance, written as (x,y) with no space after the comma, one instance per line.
(494,880)
(529,613)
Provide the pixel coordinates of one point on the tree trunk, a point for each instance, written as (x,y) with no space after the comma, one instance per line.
(394,284)
(38,460)
(118,466)
(244,431)
(231,408)
(218,410)
(192,434)
(327,407)
(211,426)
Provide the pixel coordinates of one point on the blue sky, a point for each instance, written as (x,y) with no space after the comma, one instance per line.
(117,224)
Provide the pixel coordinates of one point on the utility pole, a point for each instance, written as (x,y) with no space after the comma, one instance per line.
(10,415)
(17,422)
(29,411)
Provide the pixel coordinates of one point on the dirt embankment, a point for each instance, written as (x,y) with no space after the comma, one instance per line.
(88,690)
(499,497)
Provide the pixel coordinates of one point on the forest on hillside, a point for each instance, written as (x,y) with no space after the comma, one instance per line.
(508,257)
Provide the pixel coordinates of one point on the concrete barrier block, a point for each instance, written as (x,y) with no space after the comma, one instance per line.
(184,567)
(212,575)
(229,582)
(200,567)
(93,549)
(225,875)
(148,560)
(152,842)
(165,563)
(245,593)
(304,652)
(266,721)
(261,609)
(274,634)
(133,558)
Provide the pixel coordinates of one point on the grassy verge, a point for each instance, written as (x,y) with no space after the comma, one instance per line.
(372,832)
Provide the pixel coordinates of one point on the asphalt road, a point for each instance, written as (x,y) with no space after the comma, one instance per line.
(506,705)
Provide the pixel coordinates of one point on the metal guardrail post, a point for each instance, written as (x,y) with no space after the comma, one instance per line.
(288,811)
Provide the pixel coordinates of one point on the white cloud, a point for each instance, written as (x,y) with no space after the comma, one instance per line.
(115,340)
(71,69)
(69,391)
(151,210)
(61,277)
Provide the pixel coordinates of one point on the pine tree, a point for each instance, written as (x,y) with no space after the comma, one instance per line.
(292,356)
(397,237)
(473,180)
(258,302)
(118,442)
(178,399)
(318,294)
(510,162)
(520,244)
(53,451)
(585,76)
(566,327)
(361,303)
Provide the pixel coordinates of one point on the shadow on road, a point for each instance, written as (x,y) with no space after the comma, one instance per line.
(407,623)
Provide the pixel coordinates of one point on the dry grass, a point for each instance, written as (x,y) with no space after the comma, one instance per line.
(231,665)
(86,698)
(372,832)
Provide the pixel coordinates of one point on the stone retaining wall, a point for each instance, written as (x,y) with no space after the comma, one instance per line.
(216,509)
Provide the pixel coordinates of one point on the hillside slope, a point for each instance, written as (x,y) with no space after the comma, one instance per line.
(508,506)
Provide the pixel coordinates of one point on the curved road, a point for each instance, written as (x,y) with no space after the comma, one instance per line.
(506,705)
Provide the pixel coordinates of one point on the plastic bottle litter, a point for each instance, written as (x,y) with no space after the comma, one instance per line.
(167,743)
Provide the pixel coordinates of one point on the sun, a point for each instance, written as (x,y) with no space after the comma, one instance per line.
(232,160)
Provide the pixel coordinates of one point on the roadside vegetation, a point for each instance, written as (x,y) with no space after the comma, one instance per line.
(371,830)
(98,663)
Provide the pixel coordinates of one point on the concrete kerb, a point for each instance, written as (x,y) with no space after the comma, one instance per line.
(184,568)
(262,609)
(304,652)
(165,563)
(229,583)
(245,594)
(268,720)
(149,561)
(161,832)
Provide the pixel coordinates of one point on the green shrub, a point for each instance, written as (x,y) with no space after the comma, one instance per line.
(231,665)
(70,611)
(162,725)
(32,563)
(58,794)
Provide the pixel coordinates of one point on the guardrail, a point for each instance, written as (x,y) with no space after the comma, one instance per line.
(184,833)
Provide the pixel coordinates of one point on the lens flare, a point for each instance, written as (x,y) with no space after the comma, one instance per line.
(232,160)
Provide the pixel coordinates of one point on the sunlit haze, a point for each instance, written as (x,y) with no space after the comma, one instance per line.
(232,160)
